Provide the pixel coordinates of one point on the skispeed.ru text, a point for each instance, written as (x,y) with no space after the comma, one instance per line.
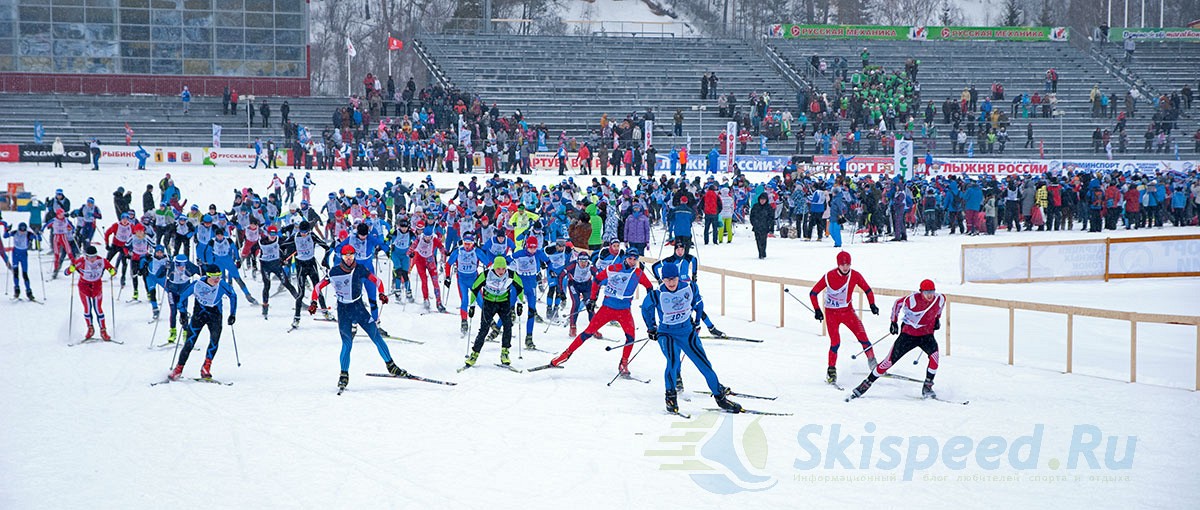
(835,448)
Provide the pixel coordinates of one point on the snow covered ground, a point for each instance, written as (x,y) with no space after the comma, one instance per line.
(83,427)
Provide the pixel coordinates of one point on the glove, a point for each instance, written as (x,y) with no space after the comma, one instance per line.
(232,319)
(312,308)
(818,315)
(112,272)
(471,312)
(70,269)
(642,265)
(937,324)
(696,324)
(383,298)
(446,282)
(894,328)
(520,308)
(874,309)
(652,333)
(591,306)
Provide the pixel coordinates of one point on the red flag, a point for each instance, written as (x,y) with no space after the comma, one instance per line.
(395,44)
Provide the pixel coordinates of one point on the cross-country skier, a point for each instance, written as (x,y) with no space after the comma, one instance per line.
(619,281)
(154,272)
(560,256)
(365,245)
(922,316)
(838,285)
(668,312)
(271,258)
(22,239)
(577,279)
(466,259)
(179,278)
(398,246)
(117,238)
(423,253)
(60,244)
(304,246)
(688,266)
(497,290)
(90,268)
(206,314)
(138,250)
(347,277)
(528,261)
(223,254)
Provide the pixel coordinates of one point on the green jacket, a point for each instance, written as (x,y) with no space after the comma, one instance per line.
(497,289)
(597,225)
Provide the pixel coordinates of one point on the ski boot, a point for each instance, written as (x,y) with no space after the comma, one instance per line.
(831,375)
(716,333)
(441,308)
(135,295)
(408,294)
(425,305)
(927,390)
(178,371)
(382,332)
(90,331)
(573,331)
(560,359)
(29,294)
(327,315)
(504,357)
(295,322)
(264,308)
(17,294)
(871,364)
(154,314)
(537,319)
(395,370)
(529,342)
(495,332)
(725,404)
(464,327)
(598,335)
(472,358)
(623,368)
(672,402)
(343,380)
(171,336)
(250,299)
(863,387)
(104,334)
(206,369)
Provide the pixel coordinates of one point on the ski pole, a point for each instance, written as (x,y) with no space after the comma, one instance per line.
(71,318)
(631,358)
(520,340)
(153,334)
(114,303)
(615,347)
(789,292)
(41,274)
(869,346)
(235,349)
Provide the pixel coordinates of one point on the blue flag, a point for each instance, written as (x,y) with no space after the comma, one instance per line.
(38,132)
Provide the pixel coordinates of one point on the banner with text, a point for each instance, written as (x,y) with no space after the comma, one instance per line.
(1155,34)
(919,33)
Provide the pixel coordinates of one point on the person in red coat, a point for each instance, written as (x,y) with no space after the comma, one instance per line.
(922,316)
(712,209)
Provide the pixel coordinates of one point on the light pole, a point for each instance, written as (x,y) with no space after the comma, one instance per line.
(701,109)
(1061,148)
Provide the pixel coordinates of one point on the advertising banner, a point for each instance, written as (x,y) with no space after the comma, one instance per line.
(926,33)
(860,165)
(1056,34)
(902,158)
(40,153)
(10,153)
(1155,34)
(791,31)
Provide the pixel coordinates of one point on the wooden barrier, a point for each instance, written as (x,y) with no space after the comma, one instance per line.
(1011,305)
(1105,275)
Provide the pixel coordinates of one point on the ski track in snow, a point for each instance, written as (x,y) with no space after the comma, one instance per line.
(82,426)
